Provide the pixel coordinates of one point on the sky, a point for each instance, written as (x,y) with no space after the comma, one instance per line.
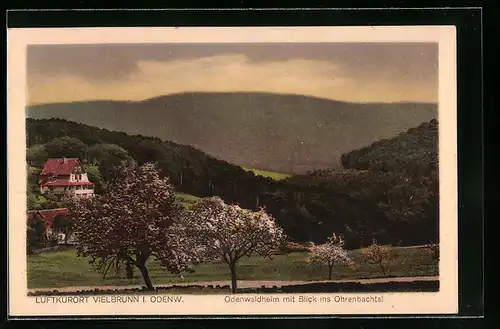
(354,72)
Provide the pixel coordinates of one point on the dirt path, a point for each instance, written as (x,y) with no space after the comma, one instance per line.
(242,283)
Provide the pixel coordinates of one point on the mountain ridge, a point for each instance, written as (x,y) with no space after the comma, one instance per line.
(277,132)
(262,93)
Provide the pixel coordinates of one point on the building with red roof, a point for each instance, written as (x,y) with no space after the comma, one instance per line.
(49,216)
(65,176)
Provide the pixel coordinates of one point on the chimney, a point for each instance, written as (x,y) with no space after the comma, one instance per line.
(65,160)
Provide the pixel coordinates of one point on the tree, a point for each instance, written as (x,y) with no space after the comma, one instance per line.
(149,151)
(31,201)
(95,177)
(36,232)
(376,254)
(36,155)
(32,188)
(31,239)
(108,157)
(330,253)
(50,200)
(99,152)
(228,232)
(109,168)
(68,147)
(33,175)
(129,223)
(64,225)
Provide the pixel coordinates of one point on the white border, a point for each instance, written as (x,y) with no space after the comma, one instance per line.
(443,302)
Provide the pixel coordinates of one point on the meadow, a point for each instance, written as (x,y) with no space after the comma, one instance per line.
(186,199)
(64,268)
(265,173)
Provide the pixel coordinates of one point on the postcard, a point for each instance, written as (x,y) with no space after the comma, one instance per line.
(222,171)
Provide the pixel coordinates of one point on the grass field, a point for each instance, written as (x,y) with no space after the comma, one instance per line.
(186,199)
(64,268)
(271,174)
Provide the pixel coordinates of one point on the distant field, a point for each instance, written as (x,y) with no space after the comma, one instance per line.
(64,268)
(271,174)
(186,199)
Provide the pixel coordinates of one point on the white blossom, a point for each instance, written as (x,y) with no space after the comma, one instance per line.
(229,232)
(330,253)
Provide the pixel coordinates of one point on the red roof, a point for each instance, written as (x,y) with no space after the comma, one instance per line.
(61,166)
(65,182)
(48,215)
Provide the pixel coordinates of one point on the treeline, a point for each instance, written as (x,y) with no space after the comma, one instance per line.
(398,175)
(190,170)
(403,209)
(308,207)
(414,151)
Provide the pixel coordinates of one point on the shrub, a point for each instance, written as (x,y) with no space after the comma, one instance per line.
(377,255)
(295,247)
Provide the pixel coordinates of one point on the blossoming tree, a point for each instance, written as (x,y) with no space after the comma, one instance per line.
(131,222)
(377,255)
(330,253)
(228,232)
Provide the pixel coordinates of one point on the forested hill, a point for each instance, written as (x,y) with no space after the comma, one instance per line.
(277,132)
(392,209)
(189,169)
(301,210)
(414,151)
(399,175)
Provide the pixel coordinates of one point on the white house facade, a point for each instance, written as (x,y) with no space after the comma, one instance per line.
(65,176)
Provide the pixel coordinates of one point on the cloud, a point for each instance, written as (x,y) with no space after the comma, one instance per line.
(225,73)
